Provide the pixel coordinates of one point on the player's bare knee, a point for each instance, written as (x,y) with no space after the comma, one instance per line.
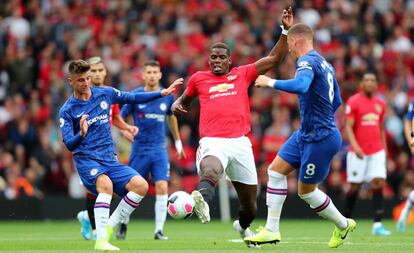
(138,185)
(104,184)
(377,183)
(211,174)
(161,187)
(354,188)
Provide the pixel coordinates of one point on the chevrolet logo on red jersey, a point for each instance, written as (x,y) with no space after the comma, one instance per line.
(221,87)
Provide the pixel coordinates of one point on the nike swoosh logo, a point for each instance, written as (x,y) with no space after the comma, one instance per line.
(80,114)
(343,237)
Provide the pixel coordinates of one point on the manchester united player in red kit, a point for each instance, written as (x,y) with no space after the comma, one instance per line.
(224,122)
(366,158)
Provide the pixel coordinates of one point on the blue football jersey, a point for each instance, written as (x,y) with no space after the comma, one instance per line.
(150,119)
(318,105)
(410,111)
(97,143)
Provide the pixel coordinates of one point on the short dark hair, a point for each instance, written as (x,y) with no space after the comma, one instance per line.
(301,29)
(152,63)
(220,45)
(78,67)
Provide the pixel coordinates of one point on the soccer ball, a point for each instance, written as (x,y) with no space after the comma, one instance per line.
(180,205)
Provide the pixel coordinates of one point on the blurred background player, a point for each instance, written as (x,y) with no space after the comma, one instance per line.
(366,159)
(319,98)
(84,122)
(409,136)
(224,123)
(149,155)
(98,74)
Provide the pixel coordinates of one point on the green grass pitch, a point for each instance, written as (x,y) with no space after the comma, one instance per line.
(192,236)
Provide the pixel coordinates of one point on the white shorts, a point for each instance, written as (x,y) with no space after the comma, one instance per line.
(235,155)
(367,168)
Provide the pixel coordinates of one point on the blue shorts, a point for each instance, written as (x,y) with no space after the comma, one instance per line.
(155,163)
(312,158)
(89,170)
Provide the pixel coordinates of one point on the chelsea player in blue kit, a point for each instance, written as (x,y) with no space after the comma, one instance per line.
(84,122)
(311,148)
(148,154)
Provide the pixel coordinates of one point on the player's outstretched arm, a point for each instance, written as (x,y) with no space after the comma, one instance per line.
(182,104)
(172,87)
(279,51)
(299,85)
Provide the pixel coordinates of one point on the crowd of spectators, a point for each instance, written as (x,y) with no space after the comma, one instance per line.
(39,37)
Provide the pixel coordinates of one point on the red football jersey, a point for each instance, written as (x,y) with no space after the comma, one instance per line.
(224,102)
(368,114)
(113,112)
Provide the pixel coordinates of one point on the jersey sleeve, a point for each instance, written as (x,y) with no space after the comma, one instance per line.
(170,102)
(122,97)
(250,73)
(382,116)
(410,111)
(304,65)
(115,110)
(70,139)
(191,90)
(126,110)
(351,109)
(337,101)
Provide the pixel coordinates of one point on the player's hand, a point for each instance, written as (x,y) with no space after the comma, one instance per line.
(83,124)
(287,18)
(178,109)
(172,87)
(262,81)
(181,154)
(128,135)
(133,130)
(358,152)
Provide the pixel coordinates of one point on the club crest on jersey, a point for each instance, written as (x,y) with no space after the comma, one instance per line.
(61,122)
(163,106)
(94,172)
(232,77)
(104,105)
(223,87)
(378,108)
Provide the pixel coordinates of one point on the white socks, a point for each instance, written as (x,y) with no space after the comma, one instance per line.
(408,206)
(275,197)
(323,205)
(160,212)
(101,210)
(125,208)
